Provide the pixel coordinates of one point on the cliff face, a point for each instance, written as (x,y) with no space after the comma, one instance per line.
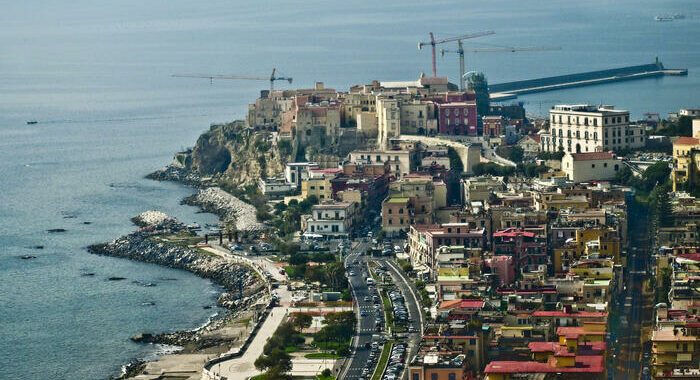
(234,155)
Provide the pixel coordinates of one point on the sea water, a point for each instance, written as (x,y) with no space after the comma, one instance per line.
(96,77)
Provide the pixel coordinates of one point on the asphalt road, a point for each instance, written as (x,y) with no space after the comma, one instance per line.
(411,297)
(628,347)
(360,356)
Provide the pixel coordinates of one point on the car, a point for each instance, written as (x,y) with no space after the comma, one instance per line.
(366,298)
(351,273)
(363,313)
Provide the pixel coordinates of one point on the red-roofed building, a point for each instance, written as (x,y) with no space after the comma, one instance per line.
(525,247)
(575,367)
(584,167)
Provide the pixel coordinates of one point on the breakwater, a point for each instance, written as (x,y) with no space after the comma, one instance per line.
(511,90)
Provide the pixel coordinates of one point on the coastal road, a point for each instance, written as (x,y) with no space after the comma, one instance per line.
(242,367)
(367,324)
(413,303)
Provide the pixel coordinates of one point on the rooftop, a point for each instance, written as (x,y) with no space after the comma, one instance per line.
(591,156)
(584,364)
(687,141)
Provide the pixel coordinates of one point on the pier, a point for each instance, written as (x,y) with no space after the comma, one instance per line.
(511,90)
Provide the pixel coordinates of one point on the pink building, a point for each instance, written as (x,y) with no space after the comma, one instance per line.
(457,118)
(493,125)
(504,267)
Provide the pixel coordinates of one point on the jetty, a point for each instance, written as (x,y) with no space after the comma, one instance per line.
(511,90)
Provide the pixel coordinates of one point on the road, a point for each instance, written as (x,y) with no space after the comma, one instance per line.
(366,325)
(242,367)
(631,304)
(415,310)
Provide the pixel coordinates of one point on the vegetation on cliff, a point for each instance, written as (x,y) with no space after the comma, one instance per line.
(235,155)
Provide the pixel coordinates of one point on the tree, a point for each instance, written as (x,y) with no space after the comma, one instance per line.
(657,173)
(478,83)
(275,365)
(681,127)
(298,259)
(302,321)
(660,203)
(516,154)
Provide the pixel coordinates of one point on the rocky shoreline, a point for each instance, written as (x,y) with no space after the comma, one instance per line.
(231,210)
(145,245)
(176,174)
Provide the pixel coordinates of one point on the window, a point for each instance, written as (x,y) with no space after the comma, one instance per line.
(416,376)
(605,165)
(390,211)
(593,165)
(401,210)
(452,376)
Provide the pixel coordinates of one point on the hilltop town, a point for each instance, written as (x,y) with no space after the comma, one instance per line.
(477,241)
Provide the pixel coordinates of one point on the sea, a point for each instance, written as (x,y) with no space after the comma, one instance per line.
(96,76)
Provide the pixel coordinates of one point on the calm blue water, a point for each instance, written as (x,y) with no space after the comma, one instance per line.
(96,77)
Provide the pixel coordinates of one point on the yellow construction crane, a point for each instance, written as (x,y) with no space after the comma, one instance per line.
(272,78)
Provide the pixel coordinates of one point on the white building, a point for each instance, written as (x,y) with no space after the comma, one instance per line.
(584,167)
(296,172)
(585,128)
(273,187)
(331,219)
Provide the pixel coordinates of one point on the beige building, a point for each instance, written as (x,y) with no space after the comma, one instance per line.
(584,167)
(686,162)
(319,184)
(530,145)
(367,124)
(586,128)
(400,161)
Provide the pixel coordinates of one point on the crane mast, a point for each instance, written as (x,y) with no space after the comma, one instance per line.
(434,42)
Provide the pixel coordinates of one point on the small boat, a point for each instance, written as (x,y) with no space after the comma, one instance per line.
(32,122)
(663,18)
(678,16)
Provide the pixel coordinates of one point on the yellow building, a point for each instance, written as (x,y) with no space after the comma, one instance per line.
(676,353)
(319,184)
(686,158)
(601,241)
(560,201)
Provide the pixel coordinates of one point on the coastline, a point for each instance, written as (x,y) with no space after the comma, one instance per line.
(221,332)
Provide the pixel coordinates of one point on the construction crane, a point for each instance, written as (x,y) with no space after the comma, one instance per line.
(434,42)
(272,78)
(460,50)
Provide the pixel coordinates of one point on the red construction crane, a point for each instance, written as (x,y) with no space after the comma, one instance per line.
(434,42)
(272,78)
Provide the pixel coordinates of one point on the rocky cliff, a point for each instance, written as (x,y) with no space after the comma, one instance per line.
(232,154)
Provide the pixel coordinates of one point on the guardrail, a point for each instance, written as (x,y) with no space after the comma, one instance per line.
(208,374)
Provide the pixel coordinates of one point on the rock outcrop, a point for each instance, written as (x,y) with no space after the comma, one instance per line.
(143,245)
(228,153)
(231,210)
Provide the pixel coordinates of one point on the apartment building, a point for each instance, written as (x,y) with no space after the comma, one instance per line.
(585,128)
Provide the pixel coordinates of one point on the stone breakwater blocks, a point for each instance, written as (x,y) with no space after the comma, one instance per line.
(243,213)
